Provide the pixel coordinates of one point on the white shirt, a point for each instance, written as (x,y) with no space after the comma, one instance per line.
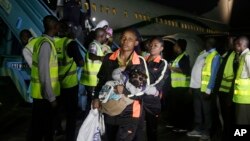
(246,68)
(196,71)
(27,54)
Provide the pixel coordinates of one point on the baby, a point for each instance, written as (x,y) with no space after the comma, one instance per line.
(135,84)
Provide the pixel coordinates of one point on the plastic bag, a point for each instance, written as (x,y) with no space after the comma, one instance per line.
(92,128)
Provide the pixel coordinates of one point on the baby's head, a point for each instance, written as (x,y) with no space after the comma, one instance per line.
(137,78)
(134,76)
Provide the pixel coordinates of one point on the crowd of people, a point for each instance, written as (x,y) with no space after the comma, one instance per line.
(138,80)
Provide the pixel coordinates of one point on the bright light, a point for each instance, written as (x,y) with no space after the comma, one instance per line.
(93,19)
(226,7)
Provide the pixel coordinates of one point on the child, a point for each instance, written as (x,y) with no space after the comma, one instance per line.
(135,83)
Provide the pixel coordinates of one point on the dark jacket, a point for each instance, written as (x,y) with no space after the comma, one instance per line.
(110,62)
(157,69)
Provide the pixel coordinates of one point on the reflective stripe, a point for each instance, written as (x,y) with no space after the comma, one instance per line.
(180,79)
(35,80)
(242,92)
(204,82)
(94,62)
(51,64)
(241,81)
(136,109)
(206,73)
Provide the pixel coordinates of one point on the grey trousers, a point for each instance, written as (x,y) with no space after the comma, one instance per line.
(202,112)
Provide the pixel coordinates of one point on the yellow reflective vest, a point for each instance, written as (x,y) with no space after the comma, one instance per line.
(242,85)
(179,79)
(31,44)
(36,87)
(91,68)
(67,68)
(228,74)
(206,70)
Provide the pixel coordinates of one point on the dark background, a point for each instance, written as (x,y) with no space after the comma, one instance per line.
(240,18)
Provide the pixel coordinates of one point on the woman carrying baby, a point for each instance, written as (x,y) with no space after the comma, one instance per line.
(122,127)
(157,68)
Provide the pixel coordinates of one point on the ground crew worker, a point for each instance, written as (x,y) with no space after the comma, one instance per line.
(157,68)
(180,80)
(28,41)
(93,62)
(225,87)
(202,83)
(45,86)
(122,127)
(69,58)
(241,96)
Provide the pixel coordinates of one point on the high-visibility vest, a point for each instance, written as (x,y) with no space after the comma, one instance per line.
(242,85)
(228,74)
(36,87)
(91,68)
(31,44)
(67,68)
(206,70)
(179,79)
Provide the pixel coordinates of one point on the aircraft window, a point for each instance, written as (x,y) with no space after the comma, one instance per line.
(179,24)
(169,23)
(148,18)
(114,11)
(172,23)
(136,15)
(94,7)
(156,20)
(161,20)
(191,27)
(101,8)
(125,13)
(86,6)
(140,16)
(107,10)
(165,21)
(175,24)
